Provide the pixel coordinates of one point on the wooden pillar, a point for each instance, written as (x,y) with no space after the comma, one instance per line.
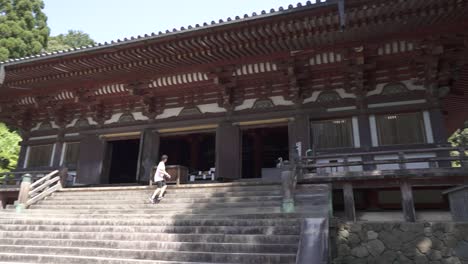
(365,139)
(149,150)
(194,141)
(258,154)
(228,151)
(90,164)
(22,155)
(299,131)
(439,131)
(439,134)
(58,150)
(407,202)
(2,201)
(349,205)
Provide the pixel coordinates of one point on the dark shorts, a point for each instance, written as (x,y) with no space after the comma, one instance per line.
(160,184)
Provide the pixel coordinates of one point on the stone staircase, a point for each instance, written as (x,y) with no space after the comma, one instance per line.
(211,223)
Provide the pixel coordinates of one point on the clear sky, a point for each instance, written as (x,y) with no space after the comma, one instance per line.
(107,20)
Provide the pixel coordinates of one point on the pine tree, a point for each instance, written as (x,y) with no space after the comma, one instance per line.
(73,39)
(23,28)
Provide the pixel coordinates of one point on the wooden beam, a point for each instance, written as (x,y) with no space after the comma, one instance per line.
(349,205)
(407,202)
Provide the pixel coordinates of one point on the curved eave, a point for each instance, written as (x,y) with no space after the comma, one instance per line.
(174,34)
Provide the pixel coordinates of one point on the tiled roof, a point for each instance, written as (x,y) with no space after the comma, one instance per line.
(160,34)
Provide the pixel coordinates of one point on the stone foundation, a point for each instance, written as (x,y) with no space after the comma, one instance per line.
(399,243)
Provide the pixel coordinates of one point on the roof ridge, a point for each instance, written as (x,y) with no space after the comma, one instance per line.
(160,34)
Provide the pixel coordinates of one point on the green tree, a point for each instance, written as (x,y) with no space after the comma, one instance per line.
(23,28)
(459,138)
(73,39)
(9,148)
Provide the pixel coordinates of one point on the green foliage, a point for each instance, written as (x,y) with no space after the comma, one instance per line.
(23,28)
(9,148)
(73,39)
(459,138)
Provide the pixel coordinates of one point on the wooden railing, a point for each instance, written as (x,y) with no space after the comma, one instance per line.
(34,189)
(12,179)
(44,187)
(350,168)
(310,165)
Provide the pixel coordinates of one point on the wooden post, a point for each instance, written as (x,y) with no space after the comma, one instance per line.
(407,202)
(148,156)
(2,201)
(24,192)
(287,179)
(401,161)
(63,173)
(463,161)
(228,151)
(349,206)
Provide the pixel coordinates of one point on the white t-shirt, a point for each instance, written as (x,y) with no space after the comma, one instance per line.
(160,172)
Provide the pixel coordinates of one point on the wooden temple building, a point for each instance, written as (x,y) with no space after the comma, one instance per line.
(327,78)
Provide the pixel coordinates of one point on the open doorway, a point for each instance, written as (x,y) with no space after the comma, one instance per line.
(196,151)
(261,148)
(123,161)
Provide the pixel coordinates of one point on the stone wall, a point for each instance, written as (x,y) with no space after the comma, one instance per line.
(399,243)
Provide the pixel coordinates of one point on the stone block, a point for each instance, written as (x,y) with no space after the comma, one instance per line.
(371,235)
(360,252)
(451,260)
(375,247)
(435,255)
(424,245)
(354,240)
(392,240)
(343,250)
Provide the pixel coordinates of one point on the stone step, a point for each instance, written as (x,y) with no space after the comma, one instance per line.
(155,254)
(276,221)
(142,194)
(155,211)
(154,245)
(160,206)
(162,237)
(173,189)
(21,258)
(319,211)
(164,206)
(251,230)
(173,199)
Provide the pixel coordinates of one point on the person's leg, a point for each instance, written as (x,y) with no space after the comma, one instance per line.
(163,190)
(155,193)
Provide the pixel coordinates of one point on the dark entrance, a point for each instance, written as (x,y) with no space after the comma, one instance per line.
(195,151)
(123,161)
(261,148)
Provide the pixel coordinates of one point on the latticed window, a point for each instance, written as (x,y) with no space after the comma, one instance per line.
(337,133)
(71,155)
(396,129)
(40,156)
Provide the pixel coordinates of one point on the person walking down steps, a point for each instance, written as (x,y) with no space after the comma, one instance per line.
(159,180)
